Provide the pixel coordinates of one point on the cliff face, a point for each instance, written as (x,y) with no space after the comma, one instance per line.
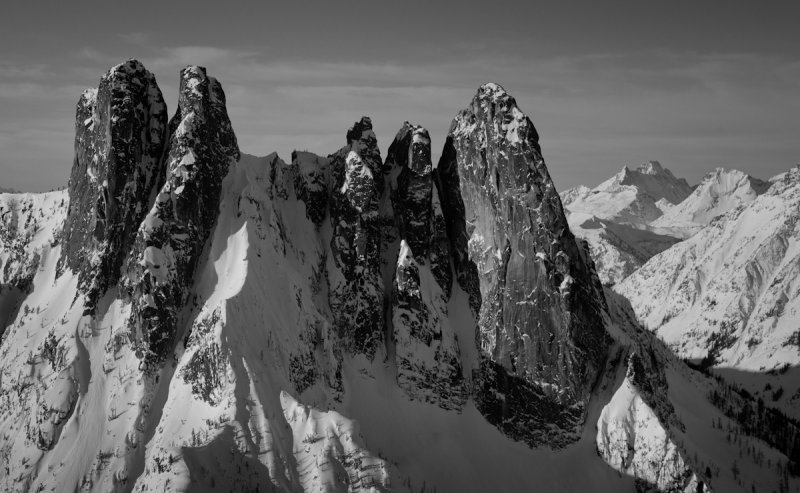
(120,139)
(163,260)
(426,346)
(542,337)
(356,284)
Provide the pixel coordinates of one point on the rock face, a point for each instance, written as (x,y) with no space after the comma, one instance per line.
(542,336)
(426,347)
(120,139)
(356,295)
(168,245)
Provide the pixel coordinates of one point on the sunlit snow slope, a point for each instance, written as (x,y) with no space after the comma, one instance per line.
(730,292)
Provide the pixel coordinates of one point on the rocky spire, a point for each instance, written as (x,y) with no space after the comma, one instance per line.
(426,347)
(541,329)
(171,238)
(120,137)
(416,203)
(356,295)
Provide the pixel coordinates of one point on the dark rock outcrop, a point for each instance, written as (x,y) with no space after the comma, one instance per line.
(454,212)
(425,345)
(171,238)
(311,184)
(120,137)
(356,288)
(542,336)
(416,203)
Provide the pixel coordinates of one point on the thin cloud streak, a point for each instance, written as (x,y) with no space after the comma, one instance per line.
(595,112)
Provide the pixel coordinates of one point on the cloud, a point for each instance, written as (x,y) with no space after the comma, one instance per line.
(135,38)
(595,112)
(91,55)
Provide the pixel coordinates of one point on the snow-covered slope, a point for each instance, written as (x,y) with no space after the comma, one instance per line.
(329,324)
(29,231)
(730,293)
(634,197)
(614,217)
(732,289)
(720,191)
(632,216)
(656,425)
(617,249)
(229,416)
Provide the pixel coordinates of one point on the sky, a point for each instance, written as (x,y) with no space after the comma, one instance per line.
(693,84)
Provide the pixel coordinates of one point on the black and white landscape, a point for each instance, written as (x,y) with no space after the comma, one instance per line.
(395,314)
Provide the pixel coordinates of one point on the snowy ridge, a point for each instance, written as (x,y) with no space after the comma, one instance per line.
(617,249)
(615,217)
(656,426)
(720,191)
(633,196)
(631,439)
(729,290)
(729,293)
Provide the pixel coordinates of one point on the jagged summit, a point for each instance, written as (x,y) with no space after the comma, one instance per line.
(518,238)
(493,93)
(171,238)
(515,126)
(361,131)
(130,66)
(651,168)
(653,179)
(120,142)
(633,197)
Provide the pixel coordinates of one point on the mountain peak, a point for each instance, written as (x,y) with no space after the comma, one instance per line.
(519,238)
(360,130)
(490,100)
(493,92)
(652,168)
(649,168)
(129,67)
(121,133)
(720,191)
(732,179)
(653,179)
